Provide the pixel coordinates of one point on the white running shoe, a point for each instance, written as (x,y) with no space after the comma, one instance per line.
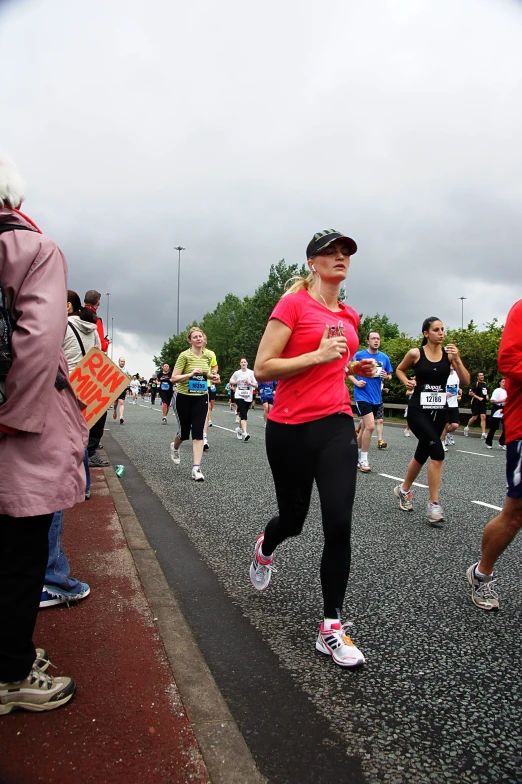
(407,433)
(434,513)
(210,423)
(175,455)
(197,475)
(444,446)
(450,440)
(237,420)
(488,446)
(336,643)
(483,435)
(261,567)
(466,431)
(239,433)
(483,594)
(364,466)
(405,499)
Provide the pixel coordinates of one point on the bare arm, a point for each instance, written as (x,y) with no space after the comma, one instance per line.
(411,358)
(457,364)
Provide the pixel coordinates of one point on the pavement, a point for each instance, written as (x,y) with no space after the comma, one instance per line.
(146,708)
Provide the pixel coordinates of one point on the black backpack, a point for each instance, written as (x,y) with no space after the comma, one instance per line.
(6,325)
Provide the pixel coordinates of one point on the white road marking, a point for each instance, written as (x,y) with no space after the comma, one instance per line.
(223,428)
(398,479)
(479,454)
(489,506)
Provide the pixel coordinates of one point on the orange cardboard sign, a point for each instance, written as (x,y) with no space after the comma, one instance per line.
(97,382)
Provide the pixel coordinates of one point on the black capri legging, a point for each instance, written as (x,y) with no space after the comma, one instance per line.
(427,426)
(324,450)
(242,408)
(191,412)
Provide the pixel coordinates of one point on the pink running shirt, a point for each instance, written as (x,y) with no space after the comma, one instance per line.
(320,390)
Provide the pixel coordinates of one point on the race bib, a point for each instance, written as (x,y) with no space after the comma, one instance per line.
(243,391)
(484,391)
(430,399)
(164,385)
(197,385)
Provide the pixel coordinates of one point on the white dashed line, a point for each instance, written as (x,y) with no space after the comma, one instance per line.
(223,428)
(489,506)
(399,479)
(479,454)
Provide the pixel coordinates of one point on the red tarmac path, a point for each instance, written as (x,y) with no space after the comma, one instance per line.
(127,722)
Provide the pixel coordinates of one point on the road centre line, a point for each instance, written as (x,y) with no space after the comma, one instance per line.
(398,479)
(479,454)
(489,506)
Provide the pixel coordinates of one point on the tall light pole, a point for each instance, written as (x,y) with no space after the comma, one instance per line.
(112,333)
(462,303)
(108,294)
(179,249)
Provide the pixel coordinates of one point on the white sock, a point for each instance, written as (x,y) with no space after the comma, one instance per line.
(480,574)
(403,490)
(364,456)
(327,623)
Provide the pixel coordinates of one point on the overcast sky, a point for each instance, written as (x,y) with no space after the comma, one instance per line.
(239,129)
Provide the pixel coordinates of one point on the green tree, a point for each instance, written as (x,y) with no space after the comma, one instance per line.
(381,324)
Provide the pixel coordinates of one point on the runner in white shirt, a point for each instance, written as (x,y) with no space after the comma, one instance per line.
(134,388)
(453,395)
(497,400)
(245,383)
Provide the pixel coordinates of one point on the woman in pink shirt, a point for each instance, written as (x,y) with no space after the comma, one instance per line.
(310,433)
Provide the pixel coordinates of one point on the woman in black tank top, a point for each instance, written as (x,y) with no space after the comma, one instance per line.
(427,415)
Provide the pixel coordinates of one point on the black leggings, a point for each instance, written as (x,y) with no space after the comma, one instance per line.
(324,450)
(191,412)
(427,426)
(242,408)
(494,424)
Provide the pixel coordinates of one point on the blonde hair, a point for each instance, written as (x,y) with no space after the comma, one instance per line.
(11,183)
(194,329)
(299,284)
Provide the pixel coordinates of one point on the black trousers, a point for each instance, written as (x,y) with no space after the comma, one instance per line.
(95,434)
(494,424)
(24,551)
(324,450)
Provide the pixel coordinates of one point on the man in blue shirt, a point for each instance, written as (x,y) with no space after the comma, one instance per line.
(368,395)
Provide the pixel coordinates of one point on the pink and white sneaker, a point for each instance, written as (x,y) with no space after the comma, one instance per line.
(261,567)
(336,643)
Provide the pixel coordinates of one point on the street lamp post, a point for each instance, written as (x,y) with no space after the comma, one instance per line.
(179,248)
(112,333)
(108,295)
(462,303)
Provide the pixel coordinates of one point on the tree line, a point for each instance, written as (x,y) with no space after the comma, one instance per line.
(235,327)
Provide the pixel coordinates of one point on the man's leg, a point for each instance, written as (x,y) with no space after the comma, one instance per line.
(368,428)
(483,423)
(499,533)
(24,548)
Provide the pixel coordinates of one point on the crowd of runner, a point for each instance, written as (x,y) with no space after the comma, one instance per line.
(309,350)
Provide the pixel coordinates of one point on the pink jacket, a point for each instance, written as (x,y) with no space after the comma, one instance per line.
(41,467)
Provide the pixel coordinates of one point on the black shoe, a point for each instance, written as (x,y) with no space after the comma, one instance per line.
(206,446)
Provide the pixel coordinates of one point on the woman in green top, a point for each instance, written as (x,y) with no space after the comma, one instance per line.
(192,369)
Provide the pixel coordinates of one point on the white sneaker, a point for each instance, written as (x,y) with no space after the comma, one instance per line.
(336,643)
(261,568)
(444,446)
(407,433)
(483,435)
(239,433)
(450,440)
(364,466)
(488,446)
(434,513)
(175,455)
(466,431)
(237,420)
(210,423)
(197,475)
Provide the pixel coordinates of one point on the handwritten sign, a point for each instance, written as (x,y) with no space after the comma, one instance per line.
(97,382)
